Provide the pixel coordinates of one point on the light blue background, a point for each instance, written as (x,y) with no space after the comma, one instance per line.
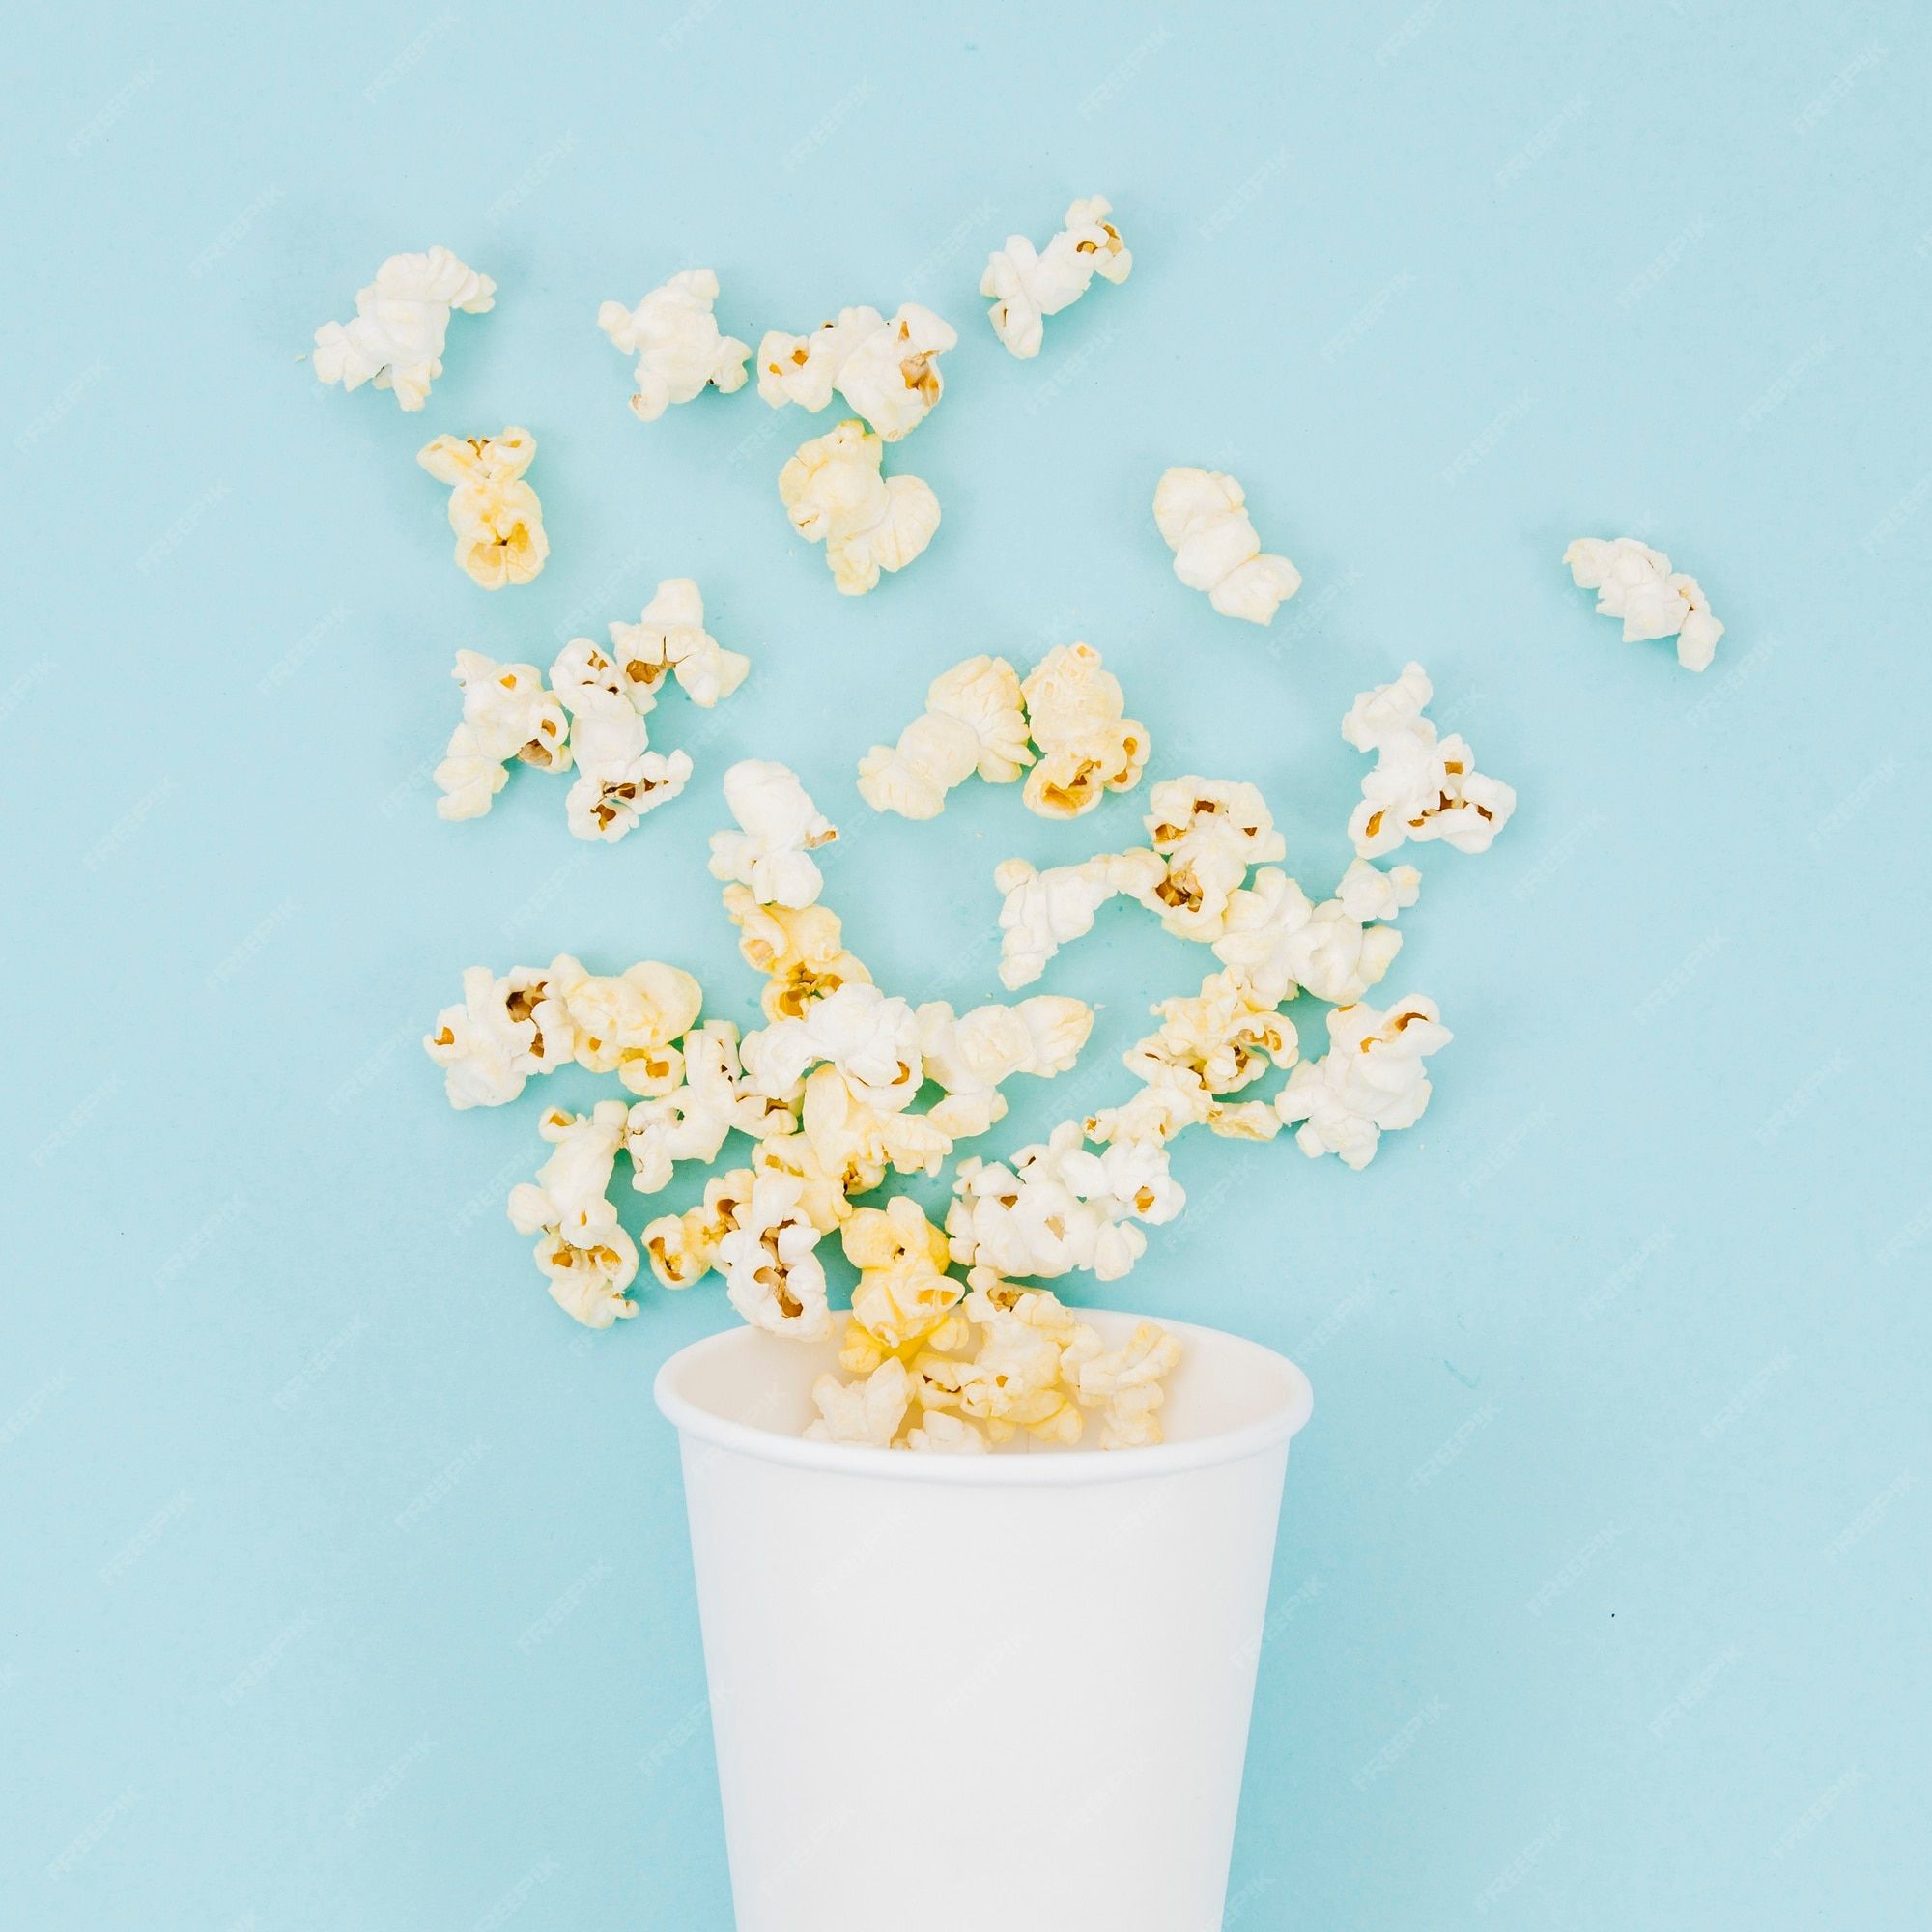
(1601,1587)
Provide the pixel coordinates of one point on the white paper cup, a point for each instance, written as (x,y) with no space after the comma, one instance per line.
(986,1693)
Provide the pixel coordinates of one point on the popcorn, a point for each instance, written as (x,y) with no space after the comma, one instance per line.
(1026,286)
(871,1040)
(904,1293)
(1013,1382)
(867,1412)
(504,1031)
(1421,788)
(779,828)
(972,722)
(1275,943)
(1074,714)
(1208,832)
(800,949)
(678,346)
(1637,583)
(1170,1097)
(1370,1080)
(971,1054)
(1203,517)
(683,1248)
(691,1121)
(401,321)
(887,371)
(1044,910)
(834,494)
(608,804)
(1125,1382)
(507,713)
(849,1142)
(1220,1036)
(1059,1207)
(589,1261)
(670,637)
(496,515)
(940,1433)
(618,781)
(624,1023)
(772,1277)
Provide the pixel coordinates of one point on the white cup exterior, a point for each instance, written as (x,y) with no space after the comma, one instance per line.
(993,1694)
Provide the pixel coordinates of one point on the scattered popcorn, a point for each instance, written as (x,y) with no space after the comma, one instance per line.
(401,321)
(1075,715)
(670,638)
(887,371)
(1027,286)
(1044,910)
(588,1259)
(683,1248)
(1421,787)
(496,515)
(1370,1080)
(1637,583)
(1123,1382)
(1059,1207)
(504,1031)
(772,1277)
(677,343)
(507,713)
(972,722)
(1276,944)
(871,1040)
(1204,519)
(779,828)
(1219,1035)
(1207,832)
(624,1023)
(690,1123)
(904,1293)
(800,949)
(971,1054)
(834,491)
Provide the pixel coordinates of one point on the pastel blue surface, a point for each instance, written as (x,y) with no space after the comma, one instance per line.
(343,1582)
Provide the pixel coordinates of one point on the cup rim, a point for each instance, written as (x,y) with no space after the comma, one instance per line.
(1056,1468)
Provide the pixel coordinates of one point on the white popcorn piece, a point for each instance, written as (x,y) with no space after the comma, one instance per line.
(772,1277)
(1027,285)
(691,1121)
(670,638)
(1203,517)
(588,1259)
(1276,944)
(872,1039)
(887,371)
(1422,788)
(1170,1098)
(834,491)
(851,1143)
(507,713)
(682,1248)
(1637,583)
(939,1432)
(974,721)
(1014,1380)
(504,1031)
(677,340)
(1125,1382)
(867,1412)
(1075,715)
(1221,1036)
(1058,1207)
(800,949)
(903,1293)
(496,515)
(618,779)
(1207,832)
(624,1023)
(1370,1081)
(1041,911)
(972,1055)
(779,828)
(401,320)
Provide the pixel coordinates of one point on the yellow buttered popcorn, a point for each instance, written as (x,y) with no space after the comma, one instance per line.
(496,515)
(1088,745)
(904,1293)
